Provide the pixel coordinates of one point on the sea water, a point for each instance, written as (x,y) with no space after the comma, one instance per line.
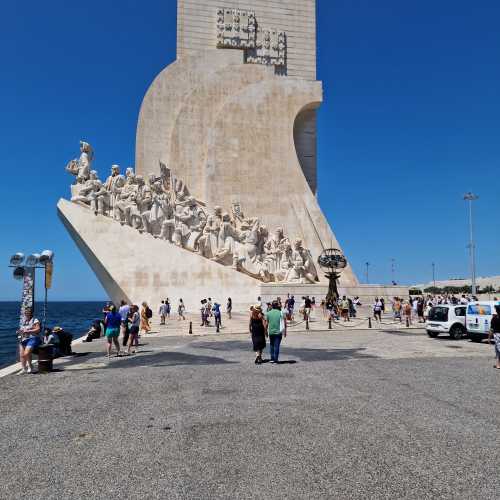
(73,317)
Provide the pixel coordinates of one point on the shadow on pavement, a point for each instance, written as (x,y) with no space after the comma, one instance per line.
(303,353)
(405,333)
(150,359)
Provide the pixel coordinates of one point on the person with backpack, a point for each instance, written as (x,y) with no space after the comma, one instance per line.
(217,315)
(146,315)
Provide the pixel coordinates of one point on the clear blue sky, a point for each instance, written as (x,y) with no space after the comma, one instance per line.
(411,120)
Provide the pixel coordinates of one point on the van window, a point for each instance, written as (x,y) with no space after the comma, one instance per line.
(479,310)
(438,314)
(460,311)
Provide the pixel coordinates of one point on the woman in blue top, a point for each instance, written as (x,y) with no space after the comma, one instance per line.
(112,323)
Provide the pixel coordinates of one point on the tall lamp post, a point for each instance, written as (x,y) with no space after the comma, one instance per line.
(367,264)
(24,269)
(434,274)
(470,197)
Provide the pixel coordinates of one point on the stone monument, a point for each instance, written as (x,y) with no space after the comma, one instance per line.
(222,201)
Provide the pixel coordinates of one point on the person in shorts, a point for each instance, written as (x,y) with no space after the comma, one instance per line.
(124,312)
(29,336)
(377,310)
(135,321)
(495,334)
(112,322)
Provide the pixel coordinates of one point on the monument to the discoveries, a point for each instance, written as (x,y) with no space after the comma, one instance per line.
(222,201)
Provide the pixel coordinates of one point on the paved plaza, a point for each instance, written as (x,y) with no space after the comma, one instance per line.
(348,414)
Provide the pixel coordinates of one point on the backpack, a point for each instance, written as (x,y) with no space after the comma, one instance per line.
(149,313)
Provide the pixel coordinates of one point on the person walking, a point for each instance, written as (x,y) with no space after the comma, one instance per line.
(377,310)
(181,309)
(29,340)
(112,323)
(217,315)
(135,321)
(124,312)
(257,329)
(229,307)
(145,317)
(307,307)
(276,330)
(407,308)
(495,335)
(162,313)
(420,310)
(344,308)
(396,307)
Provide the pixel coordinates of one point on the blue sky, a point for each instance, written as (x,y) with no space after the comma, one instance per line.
(410,121)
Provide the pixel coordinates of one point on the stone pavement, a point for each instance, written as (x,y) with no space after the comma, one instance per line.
(348,414)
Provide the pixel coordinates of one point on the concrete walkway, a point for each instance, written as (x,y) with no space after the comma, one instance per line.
(348,414)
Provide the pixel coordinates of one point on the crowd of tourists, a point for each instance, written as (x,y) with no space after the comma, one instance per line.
(267,321)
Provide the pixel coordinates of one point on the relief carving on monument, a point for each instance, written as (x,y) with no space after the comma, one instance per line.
(163,207)
(238,29)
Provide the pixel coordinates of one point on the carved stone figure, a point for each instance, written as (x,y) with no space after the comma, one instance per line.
(86,191)
(303,269)
(273,250)
(160,210)
(81,168)
(228,237)
(208,243)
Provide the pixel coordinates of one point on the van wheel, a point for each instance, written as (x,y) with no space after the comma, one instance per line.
(432,335)
(457,332)
(475,338)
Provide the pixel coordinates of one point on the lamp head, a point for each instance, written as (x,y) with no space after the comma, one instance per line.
(17,259)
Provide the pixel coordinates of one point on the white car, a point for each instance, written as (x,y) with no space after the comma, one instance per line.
(447,318)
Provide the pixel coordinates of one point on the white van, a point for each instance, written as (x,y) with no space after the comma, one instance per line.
(478,319)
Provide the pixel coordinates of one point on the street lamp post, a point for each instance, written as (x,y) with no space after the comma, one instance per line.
(470,197)
(367,273)
(434,274)
(24,269)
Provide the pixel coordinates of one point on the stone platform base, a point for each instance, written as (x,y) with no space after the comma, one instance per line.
(366,293)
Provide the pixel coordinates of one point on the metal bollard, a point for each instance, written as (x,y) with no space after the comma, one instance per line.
(307,323)
(369,322)
(329,323)
(190,328)
(407,322)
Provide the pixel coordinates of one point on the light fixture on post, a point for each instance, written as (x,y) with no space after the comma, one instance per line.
(24,269)
(332,261)
(470,197)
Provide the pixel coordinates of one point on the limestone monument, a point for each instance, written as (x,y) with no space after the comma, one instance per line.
(222,201)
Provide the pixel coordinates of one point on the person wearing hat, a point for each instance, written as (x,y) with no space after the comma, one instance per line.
(52,338)
(257,327)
